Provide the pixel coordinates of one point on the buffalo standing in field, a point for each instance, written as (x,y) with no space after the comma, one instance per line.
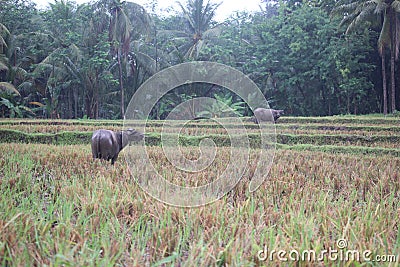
(107,144)
(263,114)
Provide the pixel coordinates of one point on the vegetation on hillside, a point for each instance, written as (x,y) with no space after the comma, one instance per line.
(75,61)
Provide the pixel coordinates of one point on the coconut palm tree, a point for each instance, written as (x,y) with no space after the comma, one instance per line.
(119,35)
(128,21)
(390,37)
(7,72)
(196,28)
(4,33)
(13,77)
(199,19)
(357,12)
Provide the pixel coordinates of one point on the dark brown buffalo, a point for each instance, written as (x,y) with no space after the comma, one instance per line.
(107,144)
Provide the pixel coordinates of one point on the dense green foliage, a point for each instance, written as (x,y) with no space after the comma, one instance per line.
(74,61)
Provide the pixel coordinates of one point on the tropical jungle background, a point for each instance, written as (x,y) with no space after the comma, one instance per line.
(310,58)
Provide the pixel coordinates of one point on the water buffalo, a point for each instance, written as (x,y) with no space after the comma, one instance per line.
(107,144)
(263,114)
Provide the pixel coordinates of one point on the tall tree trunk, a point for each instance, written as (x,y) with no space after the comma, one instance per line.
(355,105)
(156,45)
(120,83)
(76,97)
(70,104)
(392,82)
(88,106)
(393,54)
(384,85)
(96,103)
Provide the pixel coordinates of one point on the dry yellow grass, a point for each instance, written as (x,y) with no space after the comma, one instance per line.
(59,207)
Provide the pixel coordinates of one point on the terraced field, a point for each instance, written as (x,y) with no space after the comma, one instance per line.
(333,179)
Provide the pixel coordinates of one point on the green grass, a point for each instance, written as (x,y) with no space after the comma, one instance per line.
(61,138)
(59,207)
(338,120)
(338,142)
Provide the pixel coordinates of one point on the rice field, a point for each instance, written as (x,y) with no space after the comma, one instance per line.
(333,190)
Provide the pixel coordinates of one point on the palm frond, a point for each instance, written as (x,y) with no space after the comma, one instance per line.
(356,12)
(8,87)
(50,59)
(36,104)
(3,30)
(188,17)
(3,43)
(20,73)
(112,93)
(380,7)
(171,33)
(396,5)
(3,66)
(4,33)
(27,109)
(396,36)
(44,37)
(355,19)
(139,18)
(120,28)
(342,10)
(27,61)
(146,62)
(213,32)
(199,47)
(384,36)
(76,52)
(209,13)
(25,87)
(191,52)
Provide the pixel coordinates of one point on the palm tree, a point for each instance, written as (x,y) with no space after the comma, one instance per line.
(128,21)
(199,19)
(7,71)
(197,28)
(4,33)
(357,13)
(5,67)
(390,37)
(76,65)
(119,35)
(13,77)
